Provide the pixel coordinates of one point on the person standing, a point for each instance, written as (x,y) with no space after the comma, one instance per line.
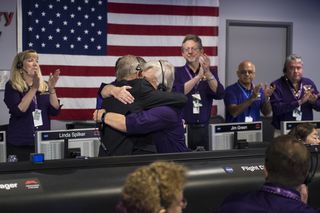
(145,96)
(295,96)
(243,100)
(31,101)
(163,122)
(200,83)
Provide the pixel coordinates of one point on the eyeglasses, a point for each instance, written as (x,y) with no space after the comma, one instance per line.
(294,68)
(183,203)
(244,72)
(192,49)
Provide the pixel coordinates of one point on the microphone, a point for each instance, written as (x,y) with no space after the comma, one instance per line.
(26,72)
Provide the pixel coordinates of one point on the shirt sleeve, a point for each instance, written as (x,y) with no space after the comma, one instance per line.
(12,98)
(316,105)
(179,80)
(279,106)
(230,97)
(151,120)
(220,93)
(53,111)
(99,96)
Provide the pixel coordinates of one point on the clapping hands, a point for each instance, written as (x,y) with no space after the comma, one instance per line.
(53,79)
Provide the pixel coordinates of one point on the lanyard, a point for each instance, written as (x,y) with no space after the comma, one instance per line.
(188,71)
(281,192)
(190,76)
(244,92)
(295,94)
(248,112)
(34,99)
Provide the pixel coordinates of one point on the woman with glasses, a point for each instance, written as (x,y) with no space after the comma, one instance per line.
(156,188)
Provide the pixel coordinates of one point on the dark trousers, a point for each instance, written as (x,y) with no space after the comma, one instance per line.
(198,135)
(22,152)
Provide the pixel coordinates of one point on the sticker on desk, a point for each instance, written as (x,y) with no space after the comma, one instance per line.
(20,186)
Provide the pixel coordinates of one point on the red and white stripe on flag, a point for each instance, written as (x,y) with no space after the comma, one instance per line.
(151,29)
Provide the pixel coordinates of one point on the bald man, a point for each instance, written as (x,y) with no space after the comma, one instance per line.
(243,99)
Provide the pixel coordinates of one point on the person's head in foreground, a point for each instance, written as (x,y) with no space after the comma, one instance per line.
(287,161)
(156,188)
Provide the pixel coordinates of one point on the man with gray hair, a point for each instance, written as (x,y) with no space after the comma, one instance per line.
(164,122)
(295,96)
(127,68)
(145,96)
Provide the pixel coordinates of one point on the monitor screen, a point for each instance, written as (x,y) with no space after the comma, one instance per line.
(3,147)
(222,135)
(80,142)
(286,126)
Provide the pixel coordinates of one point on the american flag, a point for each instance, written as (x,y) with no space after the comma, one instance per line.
(84,38)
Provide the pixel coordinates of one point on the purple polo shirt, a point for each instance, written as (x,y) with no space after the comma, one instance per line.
(165,124)
(21,128)
(237,94)
(284,102)
(262,201)
(184,74)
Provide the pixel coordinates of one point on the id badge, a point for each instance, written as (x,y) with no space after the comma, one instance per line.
(248,119)
(196,102)
(37,117)
(196,110)
(297,113)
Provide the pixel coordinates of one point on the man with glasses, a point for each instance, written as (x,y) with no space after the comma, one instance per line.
(295,97)
(200,83)
(243,100)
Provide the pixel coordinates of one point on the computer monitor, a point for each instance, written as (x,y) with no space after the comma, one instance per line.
(223,135)
(286,126)
(80,142)
(3,147)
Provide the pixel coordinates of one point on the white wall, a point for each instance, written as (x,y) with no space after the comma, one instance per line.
(8,49)
(305,15)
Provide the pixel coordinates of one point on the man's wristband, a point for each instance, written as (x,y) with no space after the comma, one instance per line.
(102,118)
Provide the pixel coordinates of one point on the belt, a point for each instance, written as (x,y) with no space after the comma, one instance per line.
(197,125)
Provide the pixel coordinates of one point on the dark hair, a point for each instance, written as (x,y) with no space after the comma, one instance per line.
(194,38)
(287,161)
(301,131)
